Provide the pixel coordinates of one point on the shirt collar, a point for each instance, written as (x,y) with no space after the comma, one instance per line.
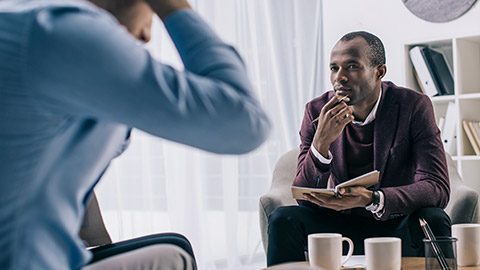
(371,116)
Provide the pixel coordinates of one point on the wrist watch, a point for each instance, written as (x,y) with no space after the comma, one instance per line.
(375,203)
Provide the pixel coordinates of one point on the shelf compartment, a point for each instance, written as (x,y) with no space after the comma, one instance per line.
(469,111)
(467,65)
(470,172)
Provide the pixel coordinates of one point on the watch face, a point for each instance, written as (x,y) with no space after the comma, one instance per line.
(376,197)
(438,10)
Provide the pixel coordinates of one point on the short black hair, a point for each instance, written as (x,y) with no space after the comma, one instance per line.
(376,51)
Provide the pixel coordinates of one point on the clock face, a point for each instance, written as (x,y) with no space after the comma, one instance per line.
(438,10)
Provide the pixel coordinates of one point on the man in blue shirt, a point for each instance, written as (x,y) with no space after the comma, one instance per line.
(72,84)
(165,250)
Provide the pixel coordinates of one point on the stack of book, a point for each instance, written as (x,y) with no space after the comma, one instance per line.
(432,71)
(472,129)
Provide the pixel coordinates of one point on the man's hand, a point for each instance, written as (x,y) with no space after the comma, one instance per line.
(333,118)
(163,8)
(350,197)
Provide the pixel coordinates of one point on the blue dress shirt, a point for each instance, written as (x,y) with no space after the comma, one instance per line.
(72,84)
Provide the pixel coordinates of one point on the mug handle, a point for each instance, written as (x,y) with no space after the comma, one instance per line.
(350,249)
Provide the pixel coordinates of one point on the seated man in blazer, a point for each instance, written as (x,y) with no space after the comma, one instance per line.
(365,124)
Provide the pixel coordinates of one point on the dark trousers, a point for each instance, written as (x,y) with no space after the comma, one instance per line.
(288,228)
(102,252)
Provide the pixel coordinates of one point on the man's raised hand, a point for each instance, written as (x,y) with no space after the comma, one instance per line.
(333,118)
(163,8)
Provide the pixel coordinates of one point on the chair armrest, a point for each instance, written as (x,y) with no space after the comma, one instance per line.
(463,205)
(279,193)
(273,199)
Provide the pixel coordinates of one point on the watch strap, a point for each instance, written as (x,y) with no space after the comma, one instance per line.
(375,202)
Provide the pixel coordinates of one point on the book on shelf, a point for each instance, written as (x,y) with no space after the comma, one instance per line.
(474,140)
(431,71)
(366,180)
(441,123)
(474,126)
(421,85)
(441,72)
(422,73)
(449,137)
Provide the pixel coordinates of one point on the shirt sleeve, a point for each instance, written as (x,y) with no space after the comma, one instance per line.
(325,160)
(83,64)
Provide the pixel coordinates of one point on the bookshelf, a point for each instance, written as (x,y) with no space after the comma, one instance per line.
(463,57)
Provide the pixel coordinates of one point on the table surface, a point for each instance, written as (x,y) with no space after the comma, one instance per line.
(408,263)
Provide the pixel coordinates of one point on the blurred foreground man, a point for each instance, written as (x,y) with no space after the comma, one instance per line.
(73,82)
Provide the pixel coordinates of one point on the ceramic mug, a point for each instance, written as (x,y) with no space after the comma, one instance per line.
(468,243)
(383,253)
(325,250)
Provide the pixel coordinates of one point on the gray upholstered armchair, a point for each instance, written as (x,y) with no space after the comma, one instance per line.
(462,207)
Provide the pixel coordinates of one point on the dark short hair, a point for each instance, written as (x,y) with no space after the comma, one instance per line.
(376,51)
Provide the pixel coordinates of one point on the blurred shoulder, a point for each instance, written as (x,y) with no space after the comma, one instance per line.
(47,12)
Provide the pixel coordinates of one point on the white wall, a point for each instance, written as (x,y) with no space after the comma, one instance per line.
(393,23)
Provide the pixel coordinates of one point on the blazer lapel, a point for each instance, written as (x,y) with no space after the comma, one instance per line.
(384,131)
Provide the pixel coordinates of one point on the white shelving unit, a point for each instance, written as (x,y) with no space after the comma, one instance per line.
(463,56)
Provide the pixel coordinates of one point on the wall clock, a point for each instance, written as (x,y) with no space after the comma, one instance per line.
(438,10)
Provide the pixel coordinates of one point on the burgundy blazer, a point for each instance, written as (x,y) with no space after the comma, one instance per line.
(408,152)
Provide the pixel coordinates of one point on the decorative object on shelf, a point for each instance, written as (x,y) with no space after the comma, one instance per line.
(438,10)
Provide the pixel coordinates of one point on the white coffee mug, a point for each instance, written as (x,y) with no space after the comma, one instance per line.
(325,250)
(468,243)
(383,253)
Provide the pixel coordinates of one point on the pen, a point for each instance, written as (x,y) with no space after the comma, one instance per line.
(436,249)
(316,119)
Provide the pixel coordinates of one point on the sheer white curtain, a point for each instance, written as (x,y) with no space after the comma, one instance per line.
(159,186)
